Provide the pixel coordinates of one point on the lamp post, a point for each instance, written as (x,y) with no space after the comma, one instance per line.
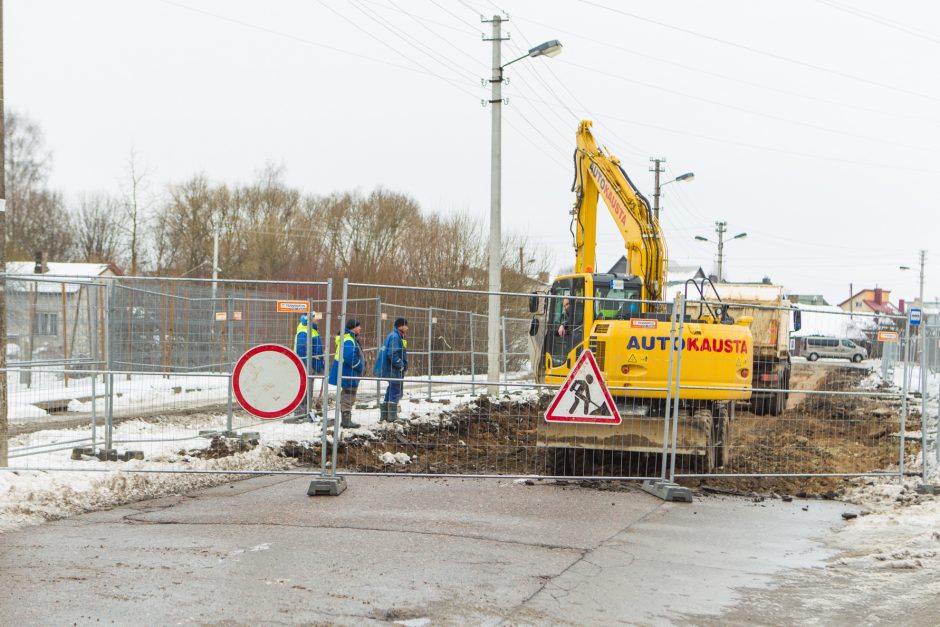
(547,49)
(721,228)
(657,187)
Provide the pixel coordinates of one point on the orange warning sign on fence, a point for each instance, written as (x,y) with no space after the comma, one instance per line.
(887,336)
(293,306)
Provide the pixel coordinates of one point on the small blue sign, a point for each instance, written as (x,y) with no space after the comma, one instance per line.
(916,316)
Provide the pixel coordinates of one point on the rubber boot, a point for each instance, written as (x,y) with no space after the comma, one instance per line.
(384,412)
(347,422)
(393,413)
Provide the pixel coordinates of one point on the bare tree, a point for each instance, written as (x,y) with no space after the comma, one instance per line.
(137,204)
(36,216)
(97,228)
(186,224)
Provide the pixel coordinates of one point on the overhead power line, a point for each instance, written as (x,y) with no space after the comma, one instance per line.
(733,79)
(765,53)
(315,44)
(355,24)
(884,21)
(397,8)
(743,144)
(770,116)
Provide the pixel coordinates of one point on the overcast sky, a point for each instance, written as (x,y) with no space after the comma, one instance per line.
(812,125)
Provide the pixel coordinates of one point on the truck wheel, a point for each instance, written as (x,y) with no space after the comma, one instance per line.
(778,403)
(759,404)
(718,438)
(716,445)
(812,357)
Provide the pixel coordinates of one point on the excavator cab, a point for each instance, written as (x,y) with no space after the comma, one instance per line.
(575,303)
(564,322)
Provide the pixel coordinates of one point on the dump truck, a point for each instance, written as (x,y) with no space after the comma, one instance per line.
(772,320)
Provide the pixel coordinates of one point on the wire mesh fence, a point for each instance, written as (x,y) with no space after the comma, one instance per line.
(819,404)
(141,369)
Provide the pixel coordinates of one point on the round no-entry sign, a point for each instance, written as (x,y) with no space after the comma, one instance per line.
(269,381)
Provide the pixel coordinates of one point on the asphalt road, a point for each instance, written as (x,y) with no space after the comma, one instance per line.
(432,551)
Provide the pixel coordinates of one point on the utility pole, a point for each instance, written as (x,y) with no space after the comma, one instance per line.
(721,228)
(851,302)
(923,260)
(496,183)
(547,49)
(4,425)
(657,169)
(215,261)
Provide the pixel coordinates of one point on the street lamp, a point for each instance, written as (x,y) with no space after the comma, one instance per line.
(657,163)
(547,49)
(720,228)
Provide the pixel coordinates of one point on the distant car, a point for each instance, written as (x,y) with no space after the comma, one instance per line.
(838,348)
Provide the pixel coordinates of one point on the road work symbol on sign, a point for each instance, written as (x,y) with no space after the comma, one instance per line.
(584,397)
(269,381)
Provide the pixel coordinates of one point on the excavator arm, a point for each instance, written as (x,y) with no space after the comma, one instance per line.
(600,174)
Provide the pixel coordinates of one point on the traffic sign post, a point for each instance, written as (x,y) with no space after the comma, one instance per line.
(916,316)
(269,381)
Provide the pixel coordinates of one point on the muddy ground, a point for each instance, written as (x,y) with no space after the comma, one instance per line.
(818,434)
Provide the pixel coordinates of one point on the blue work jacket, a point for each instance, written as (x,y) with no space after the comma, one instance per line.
(316,347)
(392,361)
(353,361)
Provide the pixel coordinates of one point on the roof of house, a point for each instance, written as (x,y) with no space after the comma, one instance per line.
(867,289)
(676,274)
(72,274)
(884,307)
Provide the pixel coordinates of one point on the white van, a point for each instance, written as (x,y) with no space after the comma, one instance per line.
(816,347)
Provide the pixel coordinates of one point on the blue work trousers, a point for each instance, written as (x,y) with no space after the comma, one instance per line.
(393,391)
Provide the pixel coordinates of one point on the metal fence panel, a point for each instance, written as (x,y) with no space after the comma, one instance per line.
(820,404)
(453,420)
(141,368)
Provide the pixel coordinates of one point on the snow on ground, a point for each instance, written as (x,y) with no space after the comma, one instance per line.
(139,393)
(145,394)
(30,495)
(893,547)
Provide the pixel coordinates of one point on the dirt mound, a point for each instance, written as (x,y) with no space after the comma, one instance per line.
(222,447)
(823,434)
(818,434)
(484,437)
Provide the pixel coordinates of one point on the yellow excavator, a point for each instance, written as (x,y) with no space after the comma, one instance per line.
(624,319)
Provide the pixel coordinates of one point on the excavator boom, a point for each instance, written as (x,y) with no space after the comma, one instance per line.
(600,174)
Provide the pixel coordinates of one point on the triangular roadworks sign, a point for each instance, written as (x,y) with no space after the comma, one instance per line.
(584,397)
